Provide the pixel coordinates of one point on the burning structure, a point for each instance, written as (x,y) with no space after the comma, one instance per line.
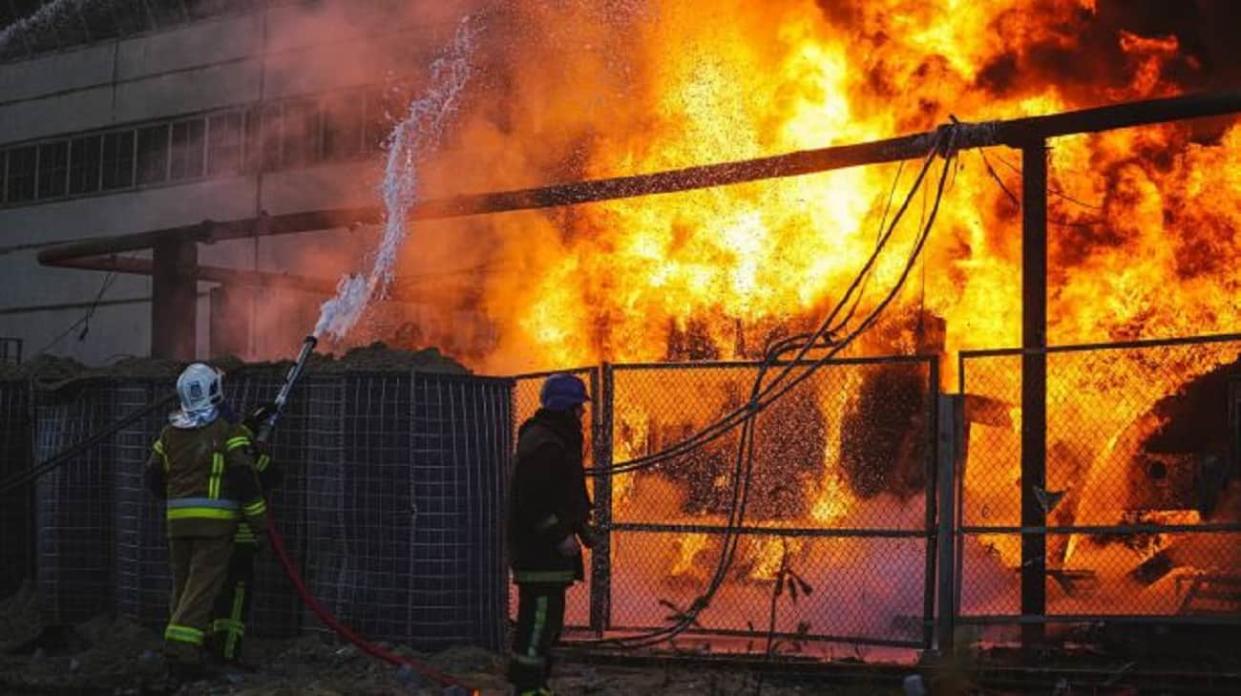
(1128,234)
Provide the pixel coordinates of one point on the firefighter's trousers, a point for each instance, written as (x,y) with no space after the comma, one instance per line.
(540,619)
(232,605)
(199,567)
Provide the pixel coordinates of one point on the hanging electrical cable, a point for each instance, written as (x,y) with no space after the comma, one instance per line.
(761,396)
(725,424)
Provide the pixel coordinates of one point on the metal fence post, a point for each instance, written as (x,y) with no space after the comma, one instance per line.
(951,413)
(932,504)
(601,555)
(1033,388)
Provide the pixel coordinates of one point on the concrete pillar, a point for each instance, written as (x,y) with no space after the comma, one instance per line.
(174,300)
(230,320)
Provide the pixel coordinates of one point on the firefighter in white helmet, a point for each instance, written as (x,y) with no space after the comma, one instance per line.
(202,465)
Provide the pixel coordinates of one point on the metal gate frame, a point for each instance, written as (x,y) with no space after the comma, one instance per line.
(600,408)
(603,393)
(954,574)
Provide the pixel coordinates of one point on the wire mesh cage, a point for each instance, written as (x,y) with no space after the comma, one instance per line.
(16,505)
(408,520)
(75,503)
(143,576)
(275,610)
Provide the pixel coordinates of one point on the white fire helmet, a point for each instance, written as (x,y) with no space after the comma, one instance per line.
(200,388)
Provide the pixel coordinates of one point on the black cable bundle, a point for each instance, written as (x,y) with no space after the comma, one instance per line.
(763,396)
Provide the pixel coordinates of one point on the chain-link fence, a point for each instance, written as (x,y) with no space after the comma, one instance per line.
(839,510)
(396,495)
(580,598)
(1139,511)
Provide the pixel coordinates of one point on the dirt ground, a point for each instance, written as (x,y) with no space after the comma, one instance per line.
(114,656)
(109,655)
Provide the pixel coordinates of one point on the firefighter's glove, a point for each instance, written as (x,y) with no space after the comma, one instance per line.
(568,547)
(259,416)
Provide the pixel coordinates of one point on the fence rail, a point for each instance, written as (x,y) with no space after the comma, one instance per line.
(1143,495)
(662,528)
(851,473)
(1096,392)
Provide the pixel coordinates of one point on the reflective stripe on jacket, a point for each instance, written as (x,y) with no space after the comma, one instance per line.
(207,476)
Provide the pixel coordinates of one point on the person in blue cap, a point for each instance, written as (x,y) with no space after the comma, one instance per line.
(549,518)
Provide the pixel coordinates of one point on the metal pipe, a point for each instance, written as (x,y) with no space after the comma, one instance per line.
(1106,345)
(1016,133)
(228,276)
(210,231)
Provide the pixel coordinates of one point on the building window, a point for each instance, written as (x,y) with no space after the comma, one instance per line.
(53,169)
(301,134)
(152,154)
(118,160)
(378,120)
(84,165)
(20,182)
(384,109)
(342,127)
(264,137)
(188,142)
(224,144)
(263,129)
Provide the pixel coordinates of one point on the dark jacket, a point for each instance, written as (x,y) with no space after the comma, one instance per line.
(269,477)
(549,499)
(208,479)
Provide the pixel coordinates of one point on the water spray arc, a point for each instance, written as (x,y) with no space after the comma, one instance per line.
(419,132)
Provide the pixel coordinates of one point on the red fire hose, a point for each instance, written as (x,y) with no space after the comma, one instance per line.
(282,554)
(346,633)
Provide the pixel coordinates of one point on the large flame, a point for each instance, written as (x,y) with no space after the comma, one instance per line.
(1144,222)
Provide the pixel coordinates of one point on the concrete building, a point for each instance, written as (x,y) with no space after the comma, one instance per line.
(125,116)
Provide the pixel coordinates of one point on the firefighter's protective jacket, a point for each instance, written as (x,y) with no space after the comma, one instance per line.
(209,480)
(269,477)
(549,499)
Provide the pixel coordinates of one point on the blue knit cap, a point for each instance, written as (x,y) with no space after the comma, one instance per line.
(563,392)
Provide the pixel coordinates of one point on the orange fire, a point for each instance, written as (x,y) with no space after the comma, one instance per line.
(1144,222)
(1143,225)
